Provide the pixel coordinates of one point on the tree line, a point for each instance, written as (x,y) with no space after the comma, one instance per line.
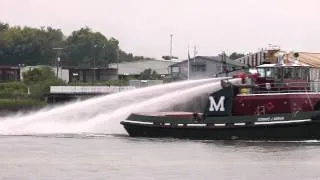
(235,55)
(34,46)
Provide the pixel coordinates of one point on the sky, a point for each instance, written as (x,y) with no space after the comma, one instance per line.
(143,27)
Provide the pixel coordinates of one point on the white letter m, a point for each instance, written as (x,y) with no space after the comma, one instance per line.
(216,107)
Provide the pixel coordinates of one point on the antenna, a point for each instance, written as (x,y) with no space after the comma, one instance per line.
(195,53)
(171,35)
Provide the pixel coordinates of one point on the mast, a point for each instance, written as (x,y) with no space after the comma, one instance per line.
(171,35)
(188,63)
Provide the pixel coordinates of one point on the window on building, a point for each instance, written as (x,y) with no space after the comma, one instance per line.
(219,68)
(175,69)
(11,75)
(198,68)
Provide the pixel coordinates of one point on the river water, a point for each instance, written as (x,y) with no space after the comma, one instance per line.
(121,157)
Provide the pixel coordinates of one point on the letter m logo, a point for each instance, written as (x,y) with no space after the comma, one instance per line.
(214,106)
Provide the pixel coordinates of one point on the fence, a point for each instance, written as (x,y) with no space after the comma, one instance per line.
(88,89)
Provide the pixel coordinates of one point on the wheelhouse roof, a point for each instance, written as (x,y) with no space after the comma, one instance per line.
(283,65)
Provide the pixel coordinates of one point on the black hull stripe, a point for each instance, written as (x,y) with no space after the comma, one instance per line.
(221,125)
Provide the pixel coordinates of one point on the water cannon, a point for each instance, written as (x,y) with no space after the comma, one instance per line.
(247,77)
(225,83)
(254,74)
(242,76)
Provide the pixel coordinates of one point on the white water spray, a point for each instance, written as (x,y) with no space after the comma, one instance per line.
(155,104)
(88,115)
(152,105)
(89,108)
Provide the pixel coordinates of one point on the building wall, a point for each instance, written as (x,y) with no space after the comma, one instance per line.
(211,68)
(109,74)
(253,59)
(8,74)
(86,75)
(144,83)
(62,74)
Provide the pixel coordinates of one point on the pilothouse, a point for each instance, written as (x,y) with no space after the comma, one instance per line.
(282,77)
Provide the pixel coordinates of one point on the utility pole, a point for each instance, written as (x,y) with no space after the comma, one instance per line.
(58,59)
(93,70)
(118,60)
(224,63)
(188,63)
(94,63)
(171,36)
(58,62)
(195,52)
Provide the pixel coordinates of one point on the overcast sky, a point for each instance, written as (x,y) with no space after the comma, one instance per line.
(143,26)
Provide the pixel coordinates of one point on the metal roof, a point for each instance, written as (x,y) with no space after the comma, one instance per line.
(136,67)
(292,64)
(214,58)
(312,59)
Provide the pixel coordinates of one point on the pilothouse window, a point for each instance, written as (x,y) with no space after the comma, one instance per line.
(270,72)
(295,73)
(279,73)
(288,73)
(261,72)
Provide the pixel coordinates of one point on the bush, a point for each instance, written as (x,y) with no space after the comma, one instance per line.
(13,90)
(39,90)
(20,104)
(39,80)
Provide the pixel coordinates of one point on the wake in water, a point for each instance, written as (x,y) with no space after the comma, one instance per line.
(91,115)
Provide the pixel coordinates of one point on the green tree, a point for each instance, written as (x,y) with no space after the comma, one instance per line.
(27,45)
(39,80)
(123,56)
(235,55)
(149,74)
(4,26)
(35,46)
(90,47)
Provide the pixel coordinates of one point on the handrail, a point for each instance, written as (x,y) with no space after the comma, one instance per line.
(286,87)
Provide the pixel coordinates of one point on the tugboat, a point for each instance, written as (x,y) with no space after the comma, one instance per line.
(274,101)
